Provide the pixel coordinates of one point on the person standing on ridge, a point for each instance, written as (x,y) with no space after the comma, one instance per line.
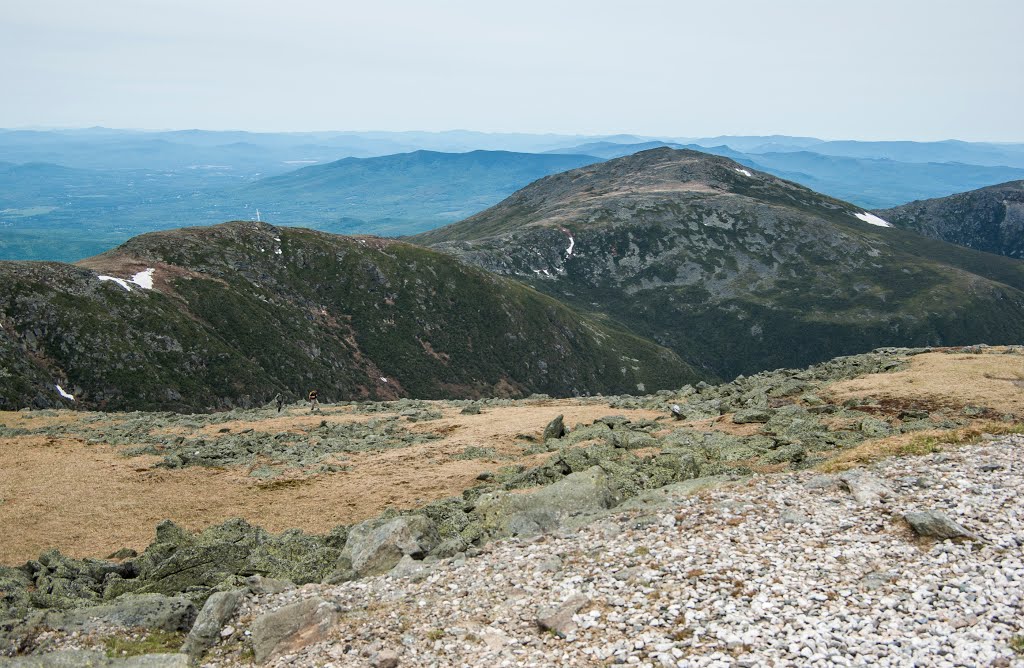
(280,401)
(314,405)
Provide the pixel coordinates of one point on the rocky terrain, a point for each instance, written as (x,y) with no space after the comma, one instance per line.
(988,219)
(734,269)
(864,510)
(229,316)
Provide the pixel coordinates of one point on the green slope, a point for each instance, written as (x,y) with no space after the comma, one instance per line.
(737,270)
(242,311)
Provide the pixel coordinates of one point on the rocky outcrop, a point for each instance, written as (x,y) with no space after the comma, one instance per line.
(375,547)
(548,508)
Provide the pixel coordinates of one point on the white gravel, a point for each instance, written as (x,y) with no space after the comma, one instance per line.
(780,570)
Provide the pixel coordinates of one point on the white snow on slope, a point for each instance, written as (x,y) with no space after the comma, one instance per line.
(120,281)
(572,243)
(64,394)
(144,279)
(743,171)
(872,219)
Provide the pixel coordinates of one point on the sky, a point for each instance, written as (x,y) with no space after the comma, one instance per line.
(864,69)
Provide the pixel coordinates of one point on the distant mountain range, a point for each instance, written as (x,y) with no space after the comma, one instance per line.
(872,180)
(640,273)
(734,269)
(404,193)
(68,194)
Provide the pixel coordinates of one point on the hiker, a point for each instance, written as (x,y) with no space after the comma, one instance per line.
(314,405)
(280,401)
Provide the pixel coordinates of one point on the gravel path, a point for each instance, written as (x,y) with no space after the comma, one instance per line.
(780,570)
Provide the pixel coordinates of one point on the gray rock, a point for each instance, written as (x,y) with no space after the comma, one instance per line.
(150,611)
(215,613)
(558,618)
(934,524)
(555,428)
(374,548)
(865,489)
(793,517)
(257,584)
(97,659)
(386,658)
(292,627)
(411,568)
(874,428)
(749,415)
(548,508)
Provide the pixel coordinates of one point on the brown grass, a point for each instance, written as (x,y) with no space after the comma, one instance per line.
(942,380)
(89,500)
(916,443)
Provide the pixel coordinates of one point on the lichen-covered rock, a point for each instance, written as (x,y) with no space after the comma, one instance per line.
(95,659)
(507,514)
(555,428)
(374,547)
(749,415)
(150,611)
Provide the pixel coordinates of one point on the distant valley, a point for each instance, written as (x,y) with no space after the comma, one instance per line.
(66,195)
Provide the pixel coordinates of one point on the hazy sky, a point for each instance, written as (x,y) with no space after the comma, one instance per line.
(865,69)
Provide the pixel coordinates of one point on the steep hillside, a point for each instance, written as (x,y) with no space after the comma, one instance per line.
(202,318)
(990,219)
(734,268)
(403,193)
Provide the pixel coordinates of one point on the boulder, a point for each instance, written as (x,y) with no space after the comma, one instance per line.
(865,489)
(375,547)
(547,508)
(558,619)
(215,613)
(749,415)
(555,428)
(95,659)
(935,524)
(874,428)
(292,627)
(150,611)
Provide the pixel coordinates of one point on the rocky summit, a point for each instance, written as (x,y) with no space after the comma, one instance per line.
(736,270)
(229,316)
(861,511)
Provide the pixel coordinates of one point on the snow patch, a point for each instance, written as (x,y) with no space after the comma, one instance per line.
(64,394)
(744,172)
(144,279)
(572,243)
(872,219)
(120,281)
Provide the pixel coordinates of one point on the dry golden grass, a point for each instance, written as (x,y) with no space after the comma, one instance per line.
(942,380)
(915,443)
(90,500)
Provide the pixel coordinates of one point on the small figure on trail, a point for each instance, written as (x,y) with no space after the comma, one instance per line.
(314,405)
(280,401)
(677,411)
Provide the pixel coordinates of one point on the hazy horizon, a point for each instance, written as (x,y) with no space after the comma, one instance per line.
(878,71)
